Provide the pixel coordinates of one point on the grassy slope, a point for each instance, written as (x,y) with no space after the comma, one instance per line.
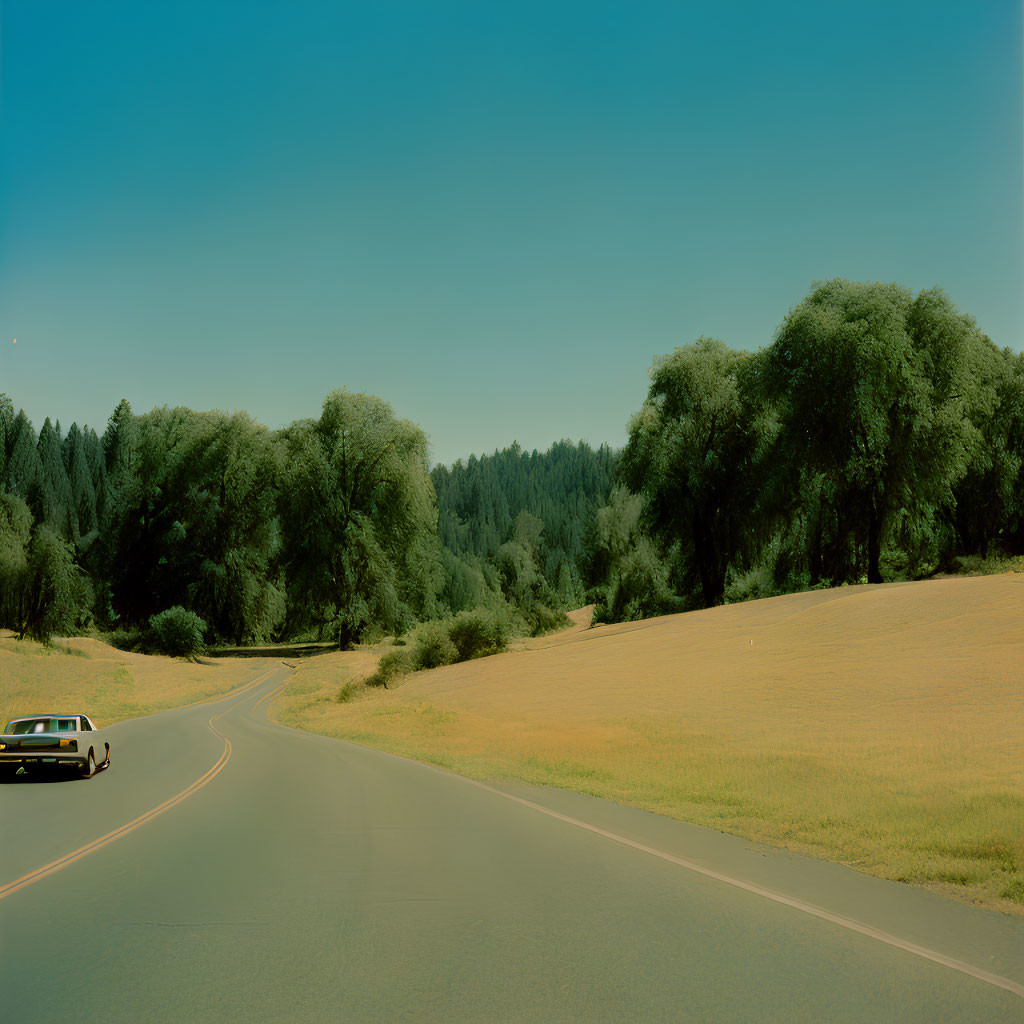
(878,726)
(108,684)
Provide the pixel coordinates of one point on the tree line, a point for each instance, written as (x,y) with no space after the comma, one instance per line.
(879,436)
(326,529)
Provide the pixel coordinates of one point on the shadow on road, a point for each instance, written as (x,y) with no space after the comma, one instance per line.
(43,775)
(278,651)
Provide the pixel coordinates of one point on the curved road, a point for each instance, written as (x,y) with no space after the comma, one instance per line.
(228,869)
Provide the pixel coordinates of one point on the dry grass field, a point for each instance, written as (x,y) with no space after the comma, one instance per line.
(107,684)
(880,726)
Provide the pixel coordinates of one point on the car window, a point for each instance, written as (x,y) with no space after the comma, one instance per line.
(30,725)
(66,725)
(86,725)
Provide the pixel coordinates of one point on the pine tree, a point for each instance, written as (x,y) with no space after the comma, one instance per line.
(58,505)
(23,467)
(6,426)
(121,444)
(97,464)
(83,494)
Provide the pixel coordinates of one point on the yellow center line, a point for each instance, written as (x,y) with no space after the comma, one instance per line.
(96,844)
(231,693)
(273,693)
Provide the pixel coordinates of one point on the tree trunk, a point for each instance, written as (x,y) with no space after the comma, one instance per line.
(814,555)
(346,637)
(874,544)
(711,582)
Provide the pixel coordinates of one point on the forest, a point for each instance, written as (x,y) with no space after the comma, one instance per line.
(879,436)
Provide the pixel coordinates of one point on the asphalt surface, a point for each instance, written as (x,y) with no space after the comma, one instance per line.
(289,877)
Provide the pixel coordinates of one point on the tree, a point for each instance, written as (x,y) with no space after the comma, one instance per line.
(24,471)
(227,506)
(990,496)
(693,454)
(15,535)
(57,501)
(871,386)
(120,443)
(628,578)
(55,595)
(193,523)
(359,517)
(83,492)
(6,426)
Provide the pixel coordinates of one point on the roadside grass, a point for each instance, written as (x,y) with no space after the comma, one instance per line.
(108,684)
(881,727)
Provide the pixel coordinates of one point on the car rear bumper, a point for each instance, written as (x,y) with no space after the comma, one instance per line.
(21,757)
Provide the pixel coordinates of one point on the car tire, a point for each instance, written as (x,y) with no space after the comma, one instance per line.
(106,760)
(89,768)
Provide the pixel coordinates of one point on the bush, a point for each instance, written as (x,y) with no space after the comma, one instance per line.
(125,639)
(434,647)
(391,665)
(478,633)
(177,632)
(995,562)
(543,619)
(752,585)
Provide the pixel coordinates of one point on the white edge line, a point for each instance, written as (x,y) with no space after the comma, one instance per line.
(808,908)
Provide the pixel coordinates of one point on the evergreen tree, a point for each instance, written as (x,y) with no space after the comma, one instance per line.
(24,471)
(120,444)
(57,501)
(97,467)
(6,428)
(83,494)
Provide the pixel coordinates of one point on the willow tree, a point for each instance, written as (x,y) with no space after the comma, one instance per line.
(359,519)
(193,518)
(693,454)
(990,497)
(871,385)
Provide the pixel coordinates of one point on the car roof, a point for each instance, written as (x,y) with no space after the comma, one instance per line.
(49,714)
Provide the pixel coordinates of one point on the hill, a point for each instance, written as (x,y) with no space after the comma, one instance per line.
(107,684)
(879,726)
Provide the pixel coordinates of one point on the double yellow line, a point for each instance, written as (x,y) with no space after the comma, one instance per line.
(83,851)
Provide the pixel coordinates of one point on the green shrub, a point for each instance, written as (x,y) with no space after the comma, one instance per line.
(1014,890)
(752,585)
(392,664)
(346,693)
(543,619)
(433,647)
(177,632)
(478,632)
(996,562)
(125,639)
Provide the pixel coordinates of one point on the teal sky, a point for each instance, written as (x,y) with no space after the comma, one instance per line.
(492,215)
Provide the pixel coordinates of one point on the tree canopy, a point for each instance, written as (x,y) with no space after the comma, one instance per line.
(360,518)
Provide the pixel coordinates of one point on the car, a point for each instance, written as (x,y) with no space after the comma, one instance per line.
(56,740)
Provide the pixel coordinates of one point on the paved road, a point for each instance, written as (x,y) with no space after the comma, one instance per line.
(309,880)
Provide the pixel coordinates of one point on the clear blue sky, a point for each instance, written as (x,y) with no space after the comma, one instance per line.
(492,215)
